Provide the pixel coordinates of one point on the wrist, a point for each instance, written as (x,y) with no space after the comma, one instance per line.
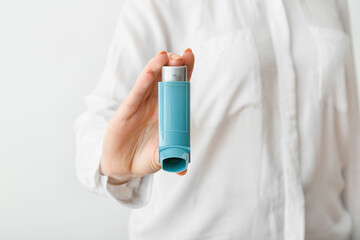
(114,180)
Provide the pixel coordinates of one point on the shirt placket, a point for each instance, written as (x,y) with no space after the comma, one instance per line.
(294,198)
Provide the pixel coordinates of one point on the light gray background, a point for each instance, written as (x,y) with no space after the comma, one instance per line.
(52,53)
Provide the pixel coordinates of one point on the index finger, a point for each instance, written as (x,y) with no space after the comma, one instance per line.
(142,84)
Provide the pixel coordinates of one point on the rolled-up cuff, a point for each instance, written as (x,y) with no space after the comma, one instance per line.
(135,193)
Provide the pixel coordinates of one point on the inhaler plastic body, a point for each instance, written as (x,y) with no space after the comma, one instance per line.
(174,119)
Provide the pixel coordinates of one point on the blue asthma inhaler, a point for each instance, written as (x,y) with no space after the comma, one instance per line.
(174,119)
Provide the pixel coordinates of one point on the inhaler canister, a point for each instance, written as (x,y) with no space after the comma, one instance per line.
(174,119)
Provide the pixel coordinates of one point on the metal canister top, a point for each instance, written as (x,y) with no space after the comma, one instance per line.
(174,73)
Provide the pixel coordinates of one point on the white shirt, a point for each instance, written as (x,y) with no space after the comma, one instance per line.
(274,121)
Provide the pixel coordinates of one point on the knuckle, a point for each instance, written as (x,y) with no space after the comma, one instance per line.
(154,161)
(130,105)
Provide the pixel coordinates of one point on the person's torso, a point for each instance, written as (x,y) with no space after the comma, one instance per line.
(268,125)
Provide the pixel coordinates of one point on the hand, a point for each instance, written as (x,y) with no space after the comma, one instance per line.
(130,147)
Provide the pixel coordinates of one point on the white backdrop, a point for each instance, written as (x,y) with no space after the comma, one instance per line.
(52,53)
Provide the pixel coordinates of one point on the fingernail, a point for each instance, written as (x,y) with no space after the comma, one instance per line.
(175,57)
(188,50)
(162,52)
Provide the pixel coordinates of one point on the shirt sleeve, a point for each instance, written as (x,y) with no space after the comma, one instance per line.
(351,193)
(138,37)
